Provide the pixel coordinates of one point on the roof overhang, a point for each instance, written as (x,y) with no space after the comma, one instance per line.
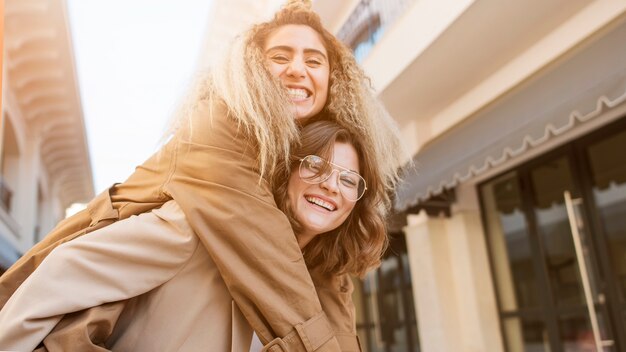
(42,77)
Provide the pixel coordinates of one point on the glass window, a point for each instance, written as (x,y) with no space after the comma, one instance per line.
(385,309)
(550,181)
(533,236)
(608,169)
(509,243)
(576,334)
(526,335)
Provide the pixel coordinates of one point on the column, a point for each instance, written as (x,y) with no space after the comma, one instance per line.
(476,302)
(434,290)
(452,282)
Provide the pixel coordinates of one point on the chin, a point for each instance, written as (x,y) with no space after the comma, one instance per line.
(303,115)
(306,112)
(315,228)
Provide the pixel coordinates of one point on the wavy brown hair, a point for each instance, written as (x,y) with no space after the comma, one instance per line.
(260,104)
(359,242)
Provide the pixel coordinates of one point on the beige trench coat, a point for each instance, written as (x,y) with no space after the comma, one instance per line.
(211,174)
(176,298)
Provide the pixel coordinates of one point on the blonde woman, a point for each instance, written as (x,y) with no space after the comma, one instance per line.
(233,136)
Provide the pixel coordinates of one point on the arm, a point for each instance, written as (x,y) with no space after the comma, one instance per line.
(251,241)
(139,194)
(117,262)
(88,330)
(99,213)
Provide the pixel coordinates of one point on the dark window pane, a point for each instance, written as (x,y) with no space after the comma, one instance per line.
(550,181)
(577,334)
(415,337)
(387,322)
(508,240)
(528,335)
(608,169)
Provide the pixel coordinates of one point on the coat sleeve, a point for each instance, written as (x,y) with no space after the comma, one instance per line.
(117,262)
(233,212)
(140,193)
(99,213)
(89,329)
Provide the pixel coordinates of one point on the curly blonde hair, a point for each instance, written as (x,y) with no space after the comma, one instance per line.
(259,103)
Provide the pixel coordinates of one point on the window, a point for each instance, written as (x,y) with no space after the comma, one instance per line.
(385,311)
(557,242)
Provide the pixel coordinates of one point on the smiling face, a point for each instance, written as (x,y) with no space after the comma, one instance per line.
(320,208)
(296,55)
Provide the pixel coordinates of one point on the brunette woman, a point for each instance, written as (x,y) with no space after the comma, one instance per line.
(328,193)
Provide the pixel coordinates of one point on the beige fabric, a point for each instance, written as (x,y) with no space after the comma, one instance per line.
(187,307)
(156,249)
(190,312)
(211,175)
(85,330)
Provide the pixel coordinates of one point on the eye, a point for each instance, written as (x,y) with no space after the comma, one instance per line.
(280,59)
(349,180)
(314,62)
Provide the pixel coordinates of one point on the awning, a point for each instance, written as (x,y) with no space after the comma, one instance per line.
(570,95)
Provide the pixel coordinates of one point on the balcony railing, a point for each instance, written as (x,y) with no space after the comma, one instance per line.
(5,195)
(367,23)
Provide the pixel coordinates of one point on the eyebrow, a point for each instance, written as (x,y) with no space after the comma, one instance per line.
(341,167)
(290,49)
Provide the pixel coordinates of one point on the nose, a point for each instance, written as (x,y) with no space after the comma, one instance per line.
(296,68)
(331,184)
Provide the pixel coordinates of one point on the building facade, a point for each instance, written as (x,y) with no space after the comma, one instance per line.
(509,232)
(44,159)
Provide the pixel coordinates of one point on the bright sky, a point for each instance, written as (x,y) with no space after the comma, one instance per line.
(135,60)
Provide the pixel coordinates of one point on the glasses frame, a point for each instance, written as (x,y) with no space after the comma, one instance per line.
(340,169)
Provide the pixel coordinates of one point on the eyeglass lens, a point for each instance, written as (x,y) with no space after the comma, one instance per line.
(314,169)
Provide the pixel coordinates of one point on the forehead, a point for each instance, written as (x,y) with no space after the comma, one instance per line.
(295,36)
(345,155)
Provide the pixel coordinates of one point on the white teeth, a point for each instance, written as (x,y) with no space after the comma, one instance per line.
(298,93)
(321,203)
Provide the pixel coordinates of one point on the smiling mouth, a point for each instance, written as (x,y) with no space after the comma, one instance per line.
(320,203)
(298,93)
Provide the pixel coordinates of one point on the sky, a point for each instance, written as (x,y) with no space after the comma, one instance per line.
(134,61)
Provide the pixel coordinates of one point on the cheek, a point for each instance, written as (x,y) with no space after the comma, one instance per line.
(323,83)
(346,214)
(274,69)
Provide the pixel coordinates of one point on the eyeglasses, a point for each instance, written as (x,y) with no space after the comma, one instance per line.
(315,170)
